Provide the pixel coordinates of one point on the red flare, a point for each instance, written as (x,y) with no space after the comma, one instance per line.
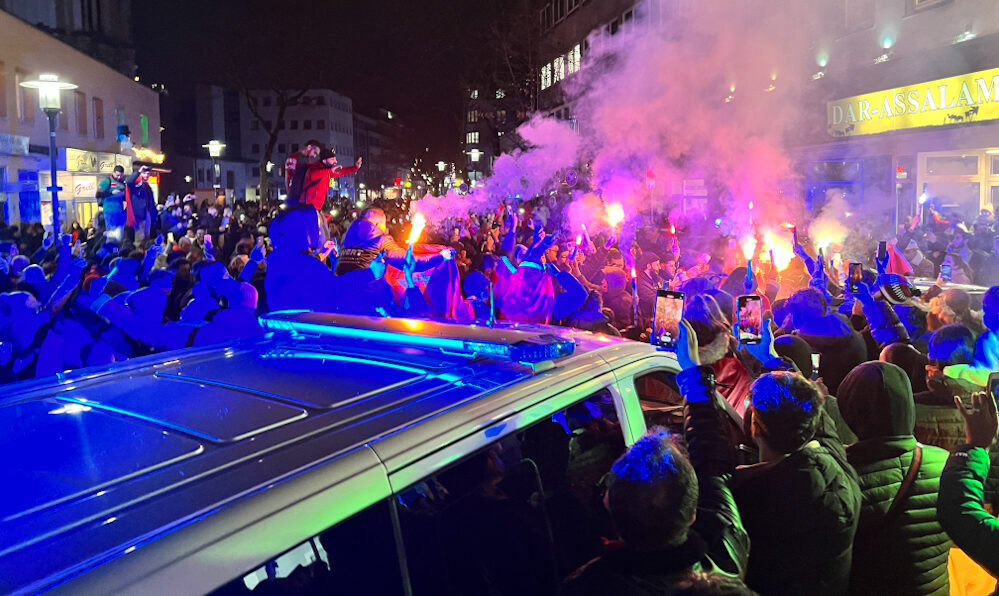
(672,230)
(633,273)
(579,239)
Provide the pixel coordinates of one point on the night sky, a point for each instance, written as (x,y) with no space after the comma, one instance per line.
(409,56)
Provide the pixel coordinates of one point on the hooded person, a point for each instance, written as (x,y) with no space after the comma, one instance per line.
(298,280)
(830,335)
(617,296)
(367,237)
(938,421)
(899,547)
(237,320)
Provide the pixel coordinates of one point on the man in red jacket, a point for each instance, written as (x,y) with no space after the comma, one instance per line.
(319,175)
(296,166)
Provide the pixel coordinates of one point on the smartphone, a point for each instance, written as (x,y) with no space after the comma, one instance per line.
(816,360)
(749,318)
(882,250)
(994,386)
(668,314)
(946,273)
(171,238)
(856,276)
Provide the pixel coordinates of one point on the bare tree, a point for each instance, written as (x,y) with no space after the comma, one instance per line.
(283,99)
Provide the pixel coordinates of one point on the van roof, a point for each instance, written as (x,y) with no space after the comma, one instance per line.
(163,434)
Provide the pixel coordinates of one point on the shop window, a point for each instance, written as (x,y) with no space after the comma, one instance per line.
(80,102)
(98,118)
(558,69)
(518,515)
(952,165)
(995,164)
(355,556)
(546,76)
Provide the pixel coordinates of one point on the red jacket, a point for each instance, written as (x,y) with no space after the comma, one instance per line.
(317,183)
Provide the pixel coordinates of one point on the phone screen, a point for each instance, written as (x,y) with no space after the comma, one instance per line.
(946,273)
(856,275)
(882,250)
(994,386)
(750,318)
(669,313)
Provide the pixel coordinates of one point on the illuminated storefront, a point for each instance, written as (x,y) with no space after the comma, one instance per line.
(884,147)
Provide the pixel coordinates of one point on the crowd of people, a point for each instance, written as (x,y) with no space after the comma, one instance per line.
(849,406)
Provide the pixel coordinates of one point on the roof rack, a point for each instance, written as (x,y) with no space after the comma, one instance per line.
(505,342)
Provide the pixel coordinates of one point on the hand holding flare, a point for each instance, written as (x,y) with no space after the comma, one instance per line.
(419,222)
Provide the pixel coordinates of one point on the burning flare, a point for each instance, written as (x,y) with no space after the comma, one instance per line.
(615,214)
(748,247)
(419,222)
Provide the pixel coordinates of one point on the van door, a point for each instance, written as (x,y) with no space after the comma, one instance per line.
(517,515)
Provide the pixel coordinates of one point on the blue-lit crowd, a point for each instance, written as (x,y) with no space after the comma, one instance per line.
(851,451)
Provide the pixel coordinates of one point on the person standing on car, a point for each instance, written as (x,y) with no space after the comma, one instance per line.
(295,168)
(140,204)
(111,195)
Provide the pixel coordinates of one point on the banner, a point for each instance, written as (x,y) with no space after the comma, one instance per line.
(972,97)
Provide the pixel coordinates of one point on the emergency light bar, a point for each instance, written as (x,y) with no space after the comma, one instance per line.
(498,343)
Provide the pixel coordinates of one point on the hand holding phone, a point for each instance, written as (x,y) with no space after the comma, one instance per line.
(856,276)
(749,318)
(946,273)
(666,322)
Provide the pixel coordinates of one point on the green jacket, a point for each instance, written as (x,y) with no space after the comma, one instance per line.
(961,506)
(908,554)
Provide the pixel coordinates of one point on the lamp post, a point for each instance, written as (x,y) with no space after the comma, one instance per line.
(215,148)
(49,96)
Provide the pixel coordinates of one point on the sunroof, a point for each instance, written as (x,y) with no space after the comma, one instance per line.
(315,378)
(214,413)
(51,450)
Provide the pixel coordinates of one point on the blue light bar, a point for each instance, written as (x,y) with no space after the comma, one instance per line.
(512,345)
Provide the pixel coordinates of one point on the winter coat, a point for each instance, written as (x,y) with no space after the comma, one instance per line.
(938,422)
(801,515)
(840,348)
(317,183)
(715,551)
(908,553)
(961,506)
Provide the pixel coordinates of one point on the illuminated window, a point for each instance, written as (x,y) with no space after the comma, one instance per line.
(471,138)
(558,69)
(474,94)
(473,115)
(500,93)
(546,76)
(574,59)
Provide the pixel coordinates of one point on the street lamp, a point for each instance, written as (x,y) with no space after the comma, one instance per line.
(215,148)
(49,96)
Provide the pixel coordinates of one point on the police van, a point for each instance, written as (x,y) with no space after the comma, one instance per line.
(335,454)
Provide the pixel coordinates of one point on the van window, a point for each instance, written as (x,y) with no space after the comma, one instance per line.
(356,556)
(659,396)
(519,515)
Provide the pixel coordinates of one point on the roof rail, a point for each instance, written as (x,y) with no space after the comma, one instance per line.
(505,342)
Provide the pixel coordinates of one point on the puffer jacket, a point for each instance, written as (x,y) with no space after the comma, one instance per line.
(909,554)
(961,506)
(801,515)
(841,348)
(906,554)
(938,422)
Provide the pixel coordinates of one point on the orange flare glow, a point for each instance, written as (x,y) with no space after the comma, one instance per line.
(615,214)
(419,222)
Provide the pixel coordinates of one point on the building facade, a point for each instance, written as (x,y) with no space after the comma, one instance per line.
(377,140)
(105,103)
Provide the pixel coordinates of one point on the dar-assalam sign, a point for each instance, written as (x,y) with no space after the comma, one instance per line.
(972,97)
